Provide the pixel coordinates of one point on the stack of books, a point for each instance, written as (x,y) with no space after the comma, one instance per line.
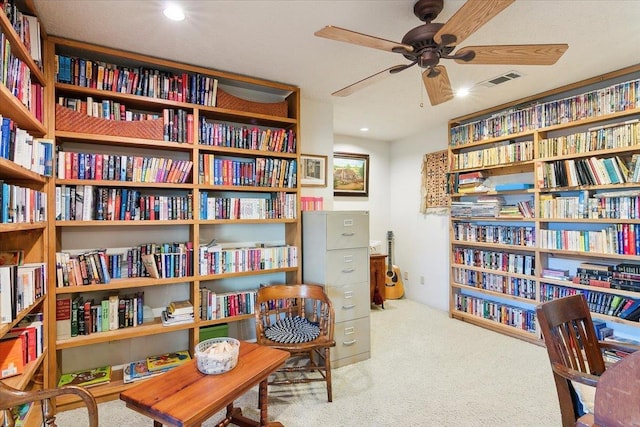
(153,366)
(178,312)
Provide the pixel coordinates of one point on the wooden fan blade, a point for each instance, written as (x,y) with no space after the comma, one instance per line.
(471,16)
(520,54)
(353,37)
(438,87)
(346,91)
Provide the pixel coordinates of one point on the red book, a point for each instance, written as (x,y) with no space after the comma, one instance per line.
(98,168)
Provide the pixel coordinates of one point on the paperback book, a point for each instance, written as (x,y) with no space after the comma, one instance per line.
(165,361)
(87,377)
(139,370)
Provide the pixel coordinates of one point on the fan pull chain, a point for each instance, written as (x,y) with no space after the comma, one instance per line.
(421,95)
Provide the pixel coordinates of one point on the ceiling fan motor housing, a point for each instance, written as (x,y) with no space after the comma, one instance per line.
(427,10)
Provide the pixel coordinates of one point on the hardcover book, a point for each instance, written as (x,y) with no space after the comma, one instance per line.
(87,377)
(166,361)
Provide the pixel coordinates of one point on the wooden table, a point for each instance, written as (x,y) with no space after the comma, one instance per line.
(378,277)
(186,397)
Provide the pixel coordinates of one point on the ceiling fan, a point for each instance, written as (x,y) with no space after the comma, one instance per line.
(430,42)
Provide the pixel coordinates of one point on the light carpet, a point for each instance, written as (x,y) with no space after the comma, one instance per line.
(425,370)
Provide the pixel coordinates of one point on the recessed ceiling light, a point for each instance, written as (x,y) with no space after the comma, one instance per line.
(462,92)
(364,129)
(174,12)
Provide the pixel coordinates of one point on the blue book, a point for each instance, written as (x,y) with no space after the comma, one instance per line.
(630,311)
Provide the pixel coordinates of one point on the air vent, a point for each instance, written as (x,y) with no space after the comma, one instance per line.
(503,78)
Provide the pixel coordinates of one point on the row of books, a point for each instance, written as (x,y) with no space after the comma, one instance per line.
(218,260)
(516,235)
(21,204)
(311,203)
(216,305)
(516,317)
(23,344)
(493,156)
(20,287)
(73,165)
(141,81)
(260,172)
(82,268)
(133,371)
(495,260)
(514,286)
(15,75)
(76,268)
(274,206)
(586,171)
(611,205)
(84,316)
(598,102)
(106,109)
(621,239)
(241,136)
(625,276)
(175,261)
(26,26)
(484,206)
(606,137)
(86,202)
(22,148)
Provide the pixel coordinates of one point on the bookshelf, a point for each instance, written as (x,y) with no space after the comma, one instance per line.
(544,204)
(23,205)
(212,167)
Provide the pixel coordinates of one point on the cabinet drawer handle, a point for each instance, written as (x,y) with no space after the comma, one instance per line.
(348,234)
(352,342)
(347,307)
(348,270)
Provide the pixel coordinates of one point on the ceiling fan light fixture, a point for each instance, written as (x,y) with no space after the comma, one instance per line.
(364,129)
(462,92)
(173,12)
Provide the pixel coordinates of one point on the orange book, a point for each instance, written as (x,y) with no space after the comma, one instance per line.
(12,353)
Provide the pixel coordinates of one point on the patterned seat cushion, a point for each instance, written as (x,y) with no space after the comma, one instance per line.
(291,330)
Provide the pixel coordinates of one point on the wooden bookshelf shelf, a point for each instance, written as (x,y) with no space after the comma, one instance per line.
(195,108)
(606,144)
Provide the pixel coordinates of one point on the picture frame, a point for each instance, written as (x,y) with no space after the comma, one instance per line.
(350,174)
(313,170)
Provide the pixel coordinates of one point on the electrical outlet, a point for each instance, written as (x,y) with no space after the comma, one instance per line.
(406,275)
(422,280)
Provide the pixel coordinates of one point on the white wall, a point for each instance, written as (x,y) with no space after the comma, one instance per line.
(421,241)
(316,137)
(378,201)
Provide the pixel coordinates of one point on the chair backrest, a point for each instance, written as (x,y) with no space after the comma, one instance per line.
(12,398)
(568,332)
(572,345)
(275,302)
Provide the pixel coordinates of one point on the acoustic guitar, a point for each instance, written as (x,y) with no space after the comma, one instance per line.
(393,288)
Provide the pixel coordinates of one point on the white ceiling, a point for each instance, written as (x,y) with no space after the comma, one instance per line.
(274,40)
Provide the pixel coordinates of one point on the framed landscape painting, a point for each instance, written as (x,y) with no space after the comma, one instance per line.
(350,174)
(313,170)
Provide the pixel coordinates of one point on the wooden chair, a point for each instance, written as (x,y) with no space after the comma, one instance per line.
(617,396)
(275,307)
(12,398)
(574,351)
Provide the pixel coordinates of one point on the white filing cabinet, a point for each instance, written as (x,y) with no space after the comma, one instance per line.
(335,253)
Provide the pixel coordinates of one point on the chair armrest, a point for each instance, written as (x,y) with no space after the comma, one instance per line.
(573,375)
